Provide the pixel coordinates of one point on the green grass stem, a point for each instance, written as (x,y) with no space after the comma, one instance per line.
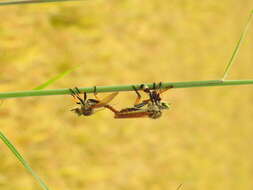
(187,84)
(237,47)
(22,160)
(4,3)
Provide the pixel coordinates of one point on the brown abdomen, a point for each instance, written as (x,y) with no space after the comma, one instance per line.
(131,115)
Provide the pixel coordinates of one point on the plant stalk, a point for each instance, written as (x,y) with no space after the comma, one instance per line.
(187,84)
(4,3)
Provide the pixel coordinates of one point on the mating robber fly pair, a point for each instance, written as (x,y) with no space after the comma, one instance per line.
(151,107)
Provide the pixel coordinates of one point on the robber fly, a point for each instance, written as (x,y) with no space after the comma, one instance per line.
(89,105)
(151,107)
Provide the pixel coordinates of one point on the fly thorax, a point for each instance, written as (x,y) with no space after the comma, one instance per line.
(90,102)
(152,107)
(154,110)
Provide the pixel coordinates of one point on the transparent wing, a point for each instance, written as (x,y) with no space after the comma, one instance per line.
(106,100)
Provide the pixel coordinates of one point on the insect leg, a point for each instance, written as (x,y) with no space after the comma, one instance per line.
(84,94)
(156,93)
(151,93)
(95,93)
(144,88)
(138,103)
(159,85)
(163,90)
(160,88)
(148,91)
(76,95)
(154,86)
(78,91)
(72,93)
(138,99)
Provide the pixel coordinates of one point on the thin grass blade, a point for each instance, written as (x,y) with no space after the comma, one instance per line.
(4,3)
(54,79)
(237,47)
(22,160)
(179,186)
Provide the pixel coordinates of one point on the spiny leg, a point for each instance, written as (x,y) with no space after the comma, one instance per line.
(95,93)
(78,91)
(76,95)
(160,91)
(72,93)
(152,93)
(156,94)
(154,86)
(142,86)
(163,90)
(138,103)
(84,94)
(147,90)
(159,85)
(138,99)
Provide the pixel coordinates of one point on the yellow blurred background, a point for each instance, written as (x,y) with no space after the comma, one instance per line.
(203,142)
